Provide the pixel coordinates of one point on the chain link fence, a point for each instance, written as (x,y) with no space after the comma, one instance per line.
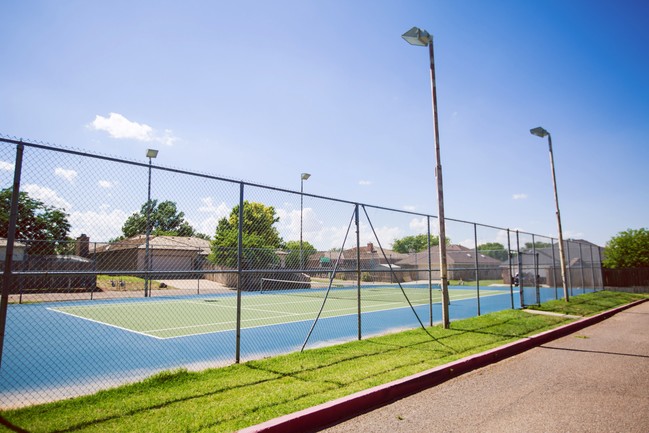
(115,270)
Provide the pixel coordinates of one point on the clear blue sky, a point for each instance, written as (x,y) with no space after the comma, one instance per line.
(265,90)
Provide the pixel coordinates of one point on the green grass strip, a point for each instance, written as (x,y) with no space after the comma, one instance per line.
(230,398)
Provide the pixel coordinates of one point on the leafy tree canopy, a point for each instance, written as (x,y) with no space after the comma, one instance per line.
(260,238)
(537,245)
(46,226)
(415,243)
(293,257)
(165,220)
(629,249)
(495,250)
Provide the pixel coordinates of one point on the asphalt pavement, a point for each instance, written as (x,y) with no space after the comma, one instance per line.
(593,380)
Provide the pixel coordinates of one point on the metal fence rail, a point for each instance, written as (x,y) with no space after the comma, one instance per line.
(115,270)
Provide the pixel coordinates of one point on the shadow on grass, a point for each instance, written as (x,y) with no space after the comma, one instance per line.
(6,423)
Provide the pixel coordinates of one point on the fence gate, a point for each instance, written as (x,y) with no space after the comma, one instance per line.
(528,278)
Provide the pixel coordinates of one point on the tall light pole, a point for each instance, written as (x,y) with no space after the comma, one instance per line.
(540,132)
(303,177)
(150,153)
(422,38)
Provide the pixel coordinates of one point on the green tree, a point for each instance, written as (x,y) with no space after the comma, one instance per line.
(415,243)
(46,227)
(495,250)
(537,245)
(260,238)
(629,249)
(164,218)
(293,257)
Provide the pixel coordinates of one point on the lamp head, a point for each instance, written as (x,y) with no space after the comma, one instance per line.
(539,132)
(417,36)
(151,153)
(305,176)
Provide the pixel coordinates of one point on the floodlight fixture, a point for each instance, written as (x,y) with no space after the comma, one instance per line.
(539,132)
(151,153)
(417,36)
(305,176)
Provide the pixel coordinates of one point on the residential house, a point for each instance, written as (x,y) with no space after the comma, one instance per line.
(53,272)
(375,264)
(166,254)
(460,263)
(18,253)
(583,265)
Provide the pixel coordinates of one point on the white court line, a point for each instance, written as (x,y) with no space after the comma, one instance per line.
(388,304)
(249,308)
(105,323)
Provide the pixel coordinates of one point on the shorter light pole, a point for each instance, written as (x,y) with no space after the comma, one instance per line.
(540,132)
(303,177)
(150,153)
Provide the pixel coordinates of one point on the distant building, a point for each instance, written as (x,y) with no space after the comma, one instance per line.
(19,250)
(374,262)
(583,264)
(48,266)
(166,253)
(460,262)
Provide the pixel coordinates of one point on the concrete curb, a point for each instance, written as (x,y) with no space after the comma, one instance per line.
(326,414)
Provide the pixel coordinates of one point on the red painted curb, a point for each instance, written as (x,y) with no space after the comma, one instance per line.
(329,413)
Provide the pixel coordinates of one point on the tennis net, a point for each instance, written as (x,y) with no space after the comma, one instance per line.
(378,292)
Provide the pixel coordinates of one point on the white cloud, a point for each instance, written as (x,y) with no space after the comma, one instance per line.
(46,195)
(289,225)
(324,237)
(409,208)
(68,175)
(167,138)
(219,210)
(106,184)
(100,226)
(208,225)
(365,182)
(118,126)
(501,238)
(6,166)
(469,243)
(385,234)
(520,196)
(570,234)
(333,236)
(419,225)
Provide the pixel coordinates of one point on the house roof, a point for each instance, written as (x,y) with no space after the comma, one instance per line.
(368,252)
(456,255)
(160,243)
(571,249)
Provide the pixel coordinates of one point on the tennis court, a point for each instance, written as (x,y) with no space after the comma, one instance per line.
(174,318)
(65,349)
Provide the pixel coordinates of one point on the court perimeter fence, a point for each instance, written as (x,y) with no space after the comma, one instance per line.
(115,270)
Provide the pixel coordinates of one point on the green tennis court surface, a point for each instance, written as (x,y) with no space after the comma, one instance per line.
(171,318)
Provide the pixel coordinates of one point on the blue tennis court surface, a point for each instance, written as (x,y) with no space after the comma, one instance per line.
(75,348)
